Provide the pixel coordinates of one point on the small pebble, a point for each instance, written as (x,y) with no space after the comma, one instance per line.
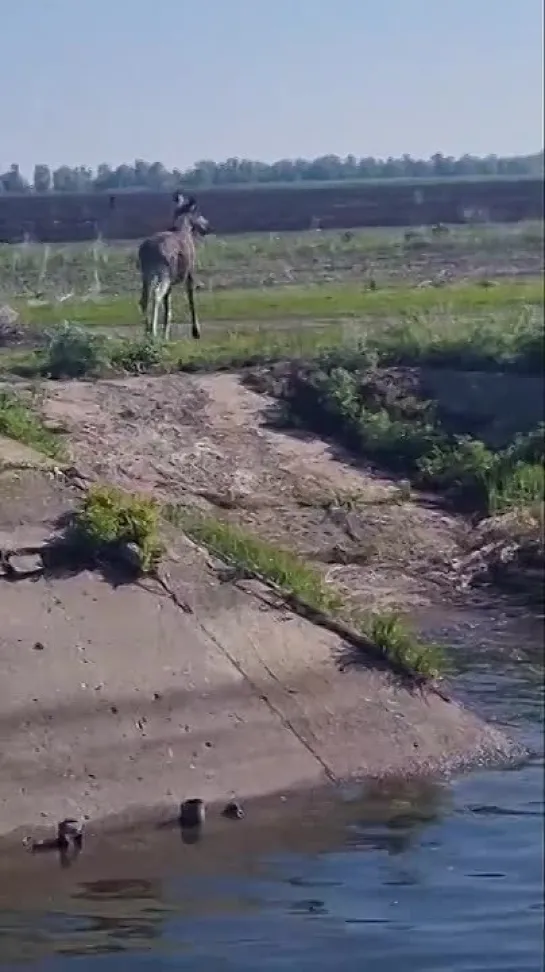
(233,810)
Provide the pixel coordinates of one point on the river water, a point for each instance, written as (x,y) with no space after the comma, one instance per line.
(410,876)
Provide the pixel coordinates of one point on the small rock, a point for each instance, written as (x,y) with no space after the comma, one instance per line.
(192,812)
(18,565)
(38,646)
(131,555)
(233,810)
(8,316)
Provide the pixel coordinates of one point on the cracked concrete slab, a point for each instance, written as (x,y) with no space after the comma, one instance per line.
(114,701)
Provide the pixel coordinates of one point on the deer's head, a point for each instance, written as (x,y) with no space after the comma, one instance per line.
(187,208)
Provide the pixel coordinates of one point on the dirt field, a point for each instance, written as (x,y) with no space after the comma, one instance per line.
(214,441)
(207,439)
(277,263)
(65,217)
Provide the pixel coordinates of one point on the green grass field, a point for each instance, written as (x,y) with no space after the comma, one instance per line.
(338,326)
(319,302)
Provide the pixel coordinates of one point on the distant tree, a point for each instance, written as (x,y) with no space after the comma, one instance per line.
(42,180)
(104,178)
(234,171)
(64,180)
(13,181)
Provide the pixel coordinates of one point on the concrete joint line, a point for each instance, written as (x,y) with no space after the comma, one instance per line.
(274,709)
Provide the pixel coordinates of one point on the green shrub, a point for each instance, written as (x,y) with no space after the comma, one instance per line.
(464,465)
(529,447)
(376,418)
(519,487)
(75,352)
(138,356)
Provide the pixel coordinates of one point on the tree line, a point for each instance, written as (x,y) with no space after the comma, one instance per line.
(141,175)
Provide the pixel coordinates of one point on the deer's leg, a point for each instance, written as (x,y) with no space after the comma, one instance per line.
(144,297)
(154,316)
(161,288)
(167,307)
(190,290)
(144,303)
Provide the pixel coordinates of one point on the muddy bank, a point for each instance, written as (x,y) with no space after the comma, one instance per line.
(207,440)
(215,441)
(114,699)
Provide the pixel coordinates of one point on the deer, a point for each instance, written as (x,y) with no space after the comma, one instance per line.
(168,258)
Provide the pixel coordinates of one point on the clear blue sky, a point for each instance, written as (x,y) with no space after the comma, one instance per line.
(176,81)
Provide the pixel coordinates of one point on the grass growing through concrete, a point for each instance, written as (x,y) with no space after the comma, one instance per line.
(18,421)
(394,638)
(237,546)
(306,589)
(116,526)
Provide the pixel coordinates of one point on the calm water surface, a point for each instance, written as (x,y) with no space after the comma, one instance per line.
(409,877)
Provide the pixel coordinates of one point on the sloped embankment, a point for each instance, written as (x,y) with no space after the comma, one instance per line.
(116,699)
(208,441)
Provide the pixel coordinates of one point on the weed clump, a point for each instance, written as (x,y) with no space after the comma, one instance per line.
(138,356)
(116,526)
(390,633)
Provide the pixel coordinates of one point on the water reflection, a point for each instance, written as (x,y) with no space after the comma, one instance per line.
(418,875)
(112,915)
(102,917)
(394,814)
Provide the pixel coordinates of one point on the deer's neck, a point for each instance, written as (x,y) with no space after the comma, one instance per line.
(181,227)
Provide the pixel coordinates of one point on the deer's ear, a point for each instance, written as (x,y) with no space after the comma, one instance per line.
(186,205)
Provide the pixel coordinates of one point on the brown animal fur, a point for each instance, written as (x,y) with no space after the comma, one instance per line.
(168,258)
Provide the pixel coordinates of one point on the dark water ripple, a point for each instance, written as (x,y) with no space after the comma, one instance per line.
(425,877)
